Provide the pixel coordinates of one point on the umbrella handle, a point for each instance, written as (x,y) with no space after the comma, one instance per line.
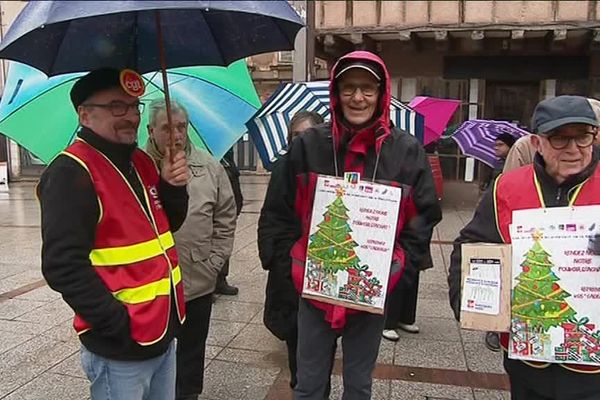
(163,70)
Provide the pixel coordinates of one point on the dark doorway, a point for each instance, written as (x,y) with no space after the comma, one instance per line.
(511,101)
(508,101)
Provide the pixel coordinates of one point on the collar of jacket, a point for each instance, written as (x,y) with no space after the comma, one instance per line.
(548,182)
(118,153)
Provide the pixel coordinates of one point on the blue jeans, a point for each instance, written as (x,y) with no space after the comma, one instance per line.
(152,379)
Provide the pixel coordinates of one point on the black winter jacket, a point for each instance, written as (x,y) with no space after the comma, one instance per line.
(402,160)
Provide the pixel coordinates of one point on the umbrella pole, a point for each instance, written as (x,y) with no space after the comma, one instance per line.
(163,70)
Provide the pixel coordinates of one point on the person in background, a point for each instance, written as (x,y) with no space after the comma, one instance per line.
(502,146)
(233,173)
(281,301)
(521,153)
(596,107)
(402,305)
(301,121)
(203,242)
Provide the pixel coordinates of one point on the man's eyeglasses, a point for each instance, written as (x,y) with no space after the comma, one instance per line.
(559,142)
(348,89)
(119,108)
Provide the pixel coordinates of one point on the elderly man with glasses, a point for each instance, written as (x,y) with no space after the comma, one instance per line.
(565,172)
(359,139)
(107,220)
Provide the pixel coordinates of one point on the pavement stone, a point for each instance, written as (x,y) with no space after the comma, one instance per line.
(434,308)
(227,381)
(43,293)
(402,390)
(256,337)
(20,279)
(21,326)
(13,308)
(481,394)
(235,310)
(220,333)
(380,391)
(9,340)
(430,354)
(28,360)
(52,386)
(51,314)
(70,366)
(442,329)
(480,359)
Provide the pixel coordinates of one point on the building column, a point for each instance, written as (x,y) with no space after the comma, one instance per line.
(14,160)
(409,89)
(549,88)
(473,114)
(395,83)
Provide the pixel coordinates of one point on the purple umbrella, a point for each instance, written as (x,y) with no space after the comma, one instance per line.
(476,138)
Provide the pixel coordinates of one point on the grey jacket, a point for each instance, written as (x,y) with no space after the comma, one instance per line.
(205,240)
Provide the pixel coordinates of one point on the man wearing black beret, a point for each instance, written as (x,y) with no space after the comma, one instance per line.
(107,219)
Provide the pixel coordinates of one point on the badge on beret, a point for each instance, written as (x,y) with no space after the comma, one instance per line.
(132,83)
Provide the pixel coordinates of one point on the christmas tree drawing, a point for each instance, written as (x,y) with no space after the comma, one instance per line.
(537,299)
(332,246)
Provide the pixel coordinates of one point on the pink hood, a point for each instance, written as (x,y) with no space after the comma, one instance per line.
(381,125)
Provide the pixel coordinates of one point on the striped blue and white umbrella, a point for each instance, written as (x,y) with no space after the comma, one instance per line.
(268,127)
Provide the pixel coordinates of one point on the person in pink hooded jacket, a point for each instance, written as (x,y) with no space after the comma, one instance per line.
(359,138)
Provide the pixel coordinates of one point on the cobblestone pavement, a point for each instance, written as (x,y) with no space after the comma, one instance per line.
(39,351)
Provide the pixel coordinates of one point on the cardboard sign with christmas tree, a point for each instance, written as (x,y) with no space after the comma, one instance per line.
(352,234)
(555,302)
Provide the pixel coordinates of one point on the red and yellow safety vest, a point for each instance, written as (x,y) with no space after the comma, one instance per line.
(520,189)
(134,251)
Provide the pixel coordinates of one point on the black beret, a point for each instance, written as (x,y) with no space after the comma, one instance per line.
(93,82)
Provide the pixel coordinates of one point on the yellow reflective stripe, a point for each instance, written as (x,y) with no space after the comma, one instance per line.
(574,197)
(149,291)
(176,274)
(131,254)
(495,196)
(538,187)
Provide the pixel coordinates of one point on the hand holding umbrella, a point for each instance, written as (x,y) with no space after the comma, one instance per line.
(174,168)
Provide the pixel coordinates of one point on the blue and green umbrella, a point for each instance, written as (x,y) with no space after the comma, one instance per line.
(36,111)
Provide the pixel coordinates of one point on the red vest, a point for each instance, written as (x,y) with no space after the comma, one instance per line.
(519,190)
(134,253)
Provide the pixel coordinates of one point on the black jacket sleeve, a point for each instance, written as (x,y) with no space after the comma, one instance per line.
(70,212)
(175,200)
(278,229)
(416,235)
(482,228)
(233,173)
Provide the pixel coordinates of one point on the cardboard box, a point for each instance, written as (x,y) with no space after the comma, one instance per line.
(496,254)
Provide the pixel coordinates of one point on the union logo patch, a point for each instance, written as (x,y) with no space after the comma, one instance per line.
(132,83)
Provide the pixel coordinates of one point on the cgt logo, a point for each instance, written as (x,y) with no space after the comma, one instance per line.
(155,199)
(132,83)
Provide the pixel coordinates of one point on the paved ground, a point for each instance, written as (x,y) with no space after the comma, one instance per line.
(39,350)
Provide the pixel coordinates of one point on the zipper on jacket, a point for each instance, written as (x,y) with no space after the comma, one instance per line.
(558,195)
